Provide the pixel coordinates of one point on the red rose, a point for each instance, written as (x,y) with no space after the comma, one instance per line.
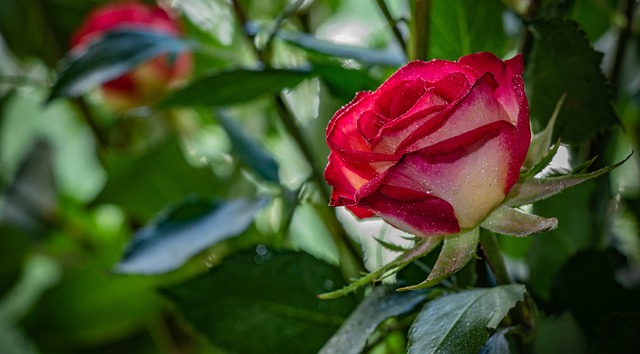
(435,148)
(149,81)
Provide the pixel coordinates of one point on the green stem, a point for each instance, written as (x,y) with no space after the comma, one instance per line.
(88,116)
(392,24)
(420,30)
(493,256)
(523,313)
(350,256)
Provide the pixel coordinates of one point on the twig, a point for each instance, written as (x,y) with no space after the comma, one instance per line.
(393,24)
(288,120)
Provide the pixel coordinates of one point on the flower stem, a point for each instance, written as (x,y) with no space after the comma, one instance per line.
(392,24)
(493,255)
(420,30)
(350,256)
(523,312)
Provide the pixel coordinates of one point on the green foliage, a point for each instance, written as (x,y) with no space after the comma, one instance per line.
(268,296)
(226,88)
(14,246)
(143,185)
(383,303)
(461,323)
(563,62)
(185,230)
(249,151)
(463,27)
(116,53)
(102,210)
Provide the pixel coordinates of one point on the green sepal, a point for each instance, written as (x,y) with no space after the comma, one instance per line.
(540,142)
(456,252)
(531,190)
(515,222)
(542,163)
(422,247)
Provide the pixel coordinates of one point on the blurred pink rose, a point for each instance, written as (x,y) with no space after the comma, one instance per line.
(149,81)
(435,148)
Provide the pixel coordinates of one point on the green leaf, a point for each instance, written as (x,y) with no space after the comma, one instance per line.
(90,306)
(514,222)
(597,16)
(501,343)
(145,184)
(185,230)
(14,246)
(264,301)
(248,150)
(234,86)
(342,82)
(116,53)
(559,334)
(456,252)
(460,323)
(383,302)
(534,189)
(461,27)
(562,61)
(364,55)
(31,198)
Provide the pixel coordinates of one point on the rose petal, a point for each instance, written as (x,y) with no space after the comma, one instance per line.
(429,216)
(429,71)
(392,134)
(470,173)
(503,72)
(360,212)
(345,179)
(478,108)
(395,101)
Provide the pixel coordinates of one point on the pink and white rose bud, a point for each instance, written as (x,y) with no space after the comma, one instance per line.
(435,148)
(151,80)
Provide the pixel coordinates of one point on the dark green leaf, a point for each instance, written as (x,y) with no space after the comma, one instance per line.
(460,27)
(116,53)
(558,335)
(596,16)
(460,323)
(185,230)
(264,301)
(384,302)
(31,198)
(577,230)
(14,246)
(457,251)
(90,306)
(40,28)
(514,222)
(364,55)
(562,61)
(249,151)
(342,82)
(234,86)
(500,343)
(618,333)
(145,184)
(573,290)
